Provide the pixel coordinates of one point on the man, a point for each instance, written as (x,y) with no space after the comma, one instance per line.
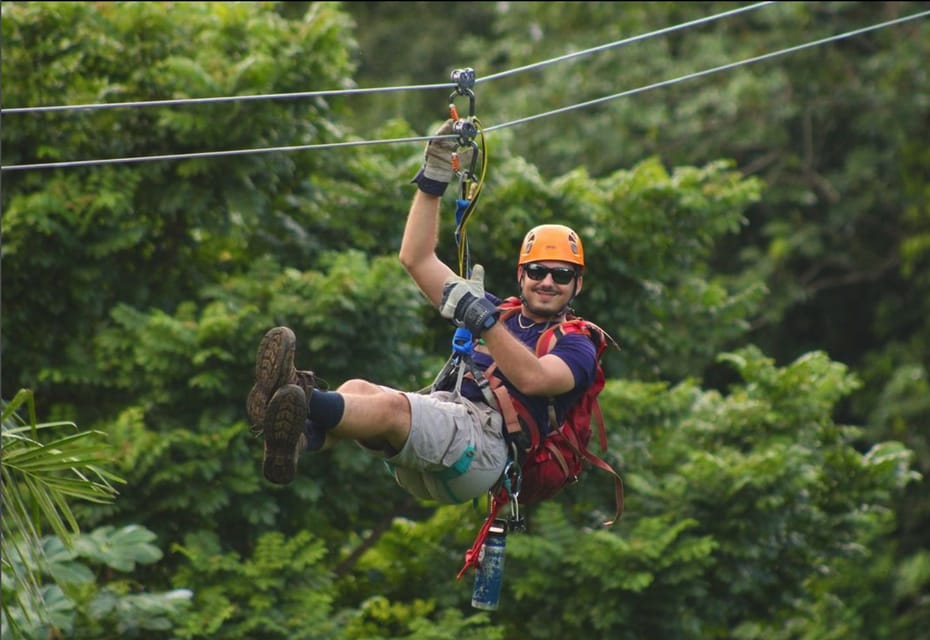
(444,445)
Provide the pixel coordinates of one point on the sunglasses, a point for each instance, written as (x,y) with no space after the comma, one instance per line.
(560,275)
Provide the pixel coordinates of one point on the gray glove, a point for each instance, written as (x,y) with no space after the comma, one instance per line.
(464,303)
(438,157)
(437,173)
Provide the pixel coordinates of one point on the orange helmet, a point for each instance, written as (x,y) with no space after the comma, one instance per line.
(552,242)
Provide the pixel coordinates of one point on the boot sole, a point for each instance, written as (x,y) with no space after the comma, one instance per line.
(274,366)
(284,424)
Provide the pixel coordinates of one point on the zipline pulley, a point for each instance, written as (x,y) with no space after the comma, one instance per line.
(465,79)
(465,128)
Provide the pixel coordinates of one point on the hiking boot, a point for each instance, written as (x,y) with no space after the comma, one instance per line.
(284,420)
(274,368)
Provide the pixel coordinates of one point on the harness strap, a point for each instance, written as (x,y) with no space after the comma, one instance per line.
(515,415)
(618,485)
(554,450)
(519,416)
(484,386)
(506,408)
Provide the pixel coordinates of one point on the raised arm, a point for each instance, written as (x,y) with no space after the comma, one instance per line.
(418,249)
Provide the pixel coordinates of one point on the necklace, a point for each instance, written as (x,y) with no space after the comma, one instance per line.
(520,322)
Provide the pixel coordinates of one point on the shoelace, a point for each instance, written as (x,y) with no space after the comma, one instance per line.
(306,380)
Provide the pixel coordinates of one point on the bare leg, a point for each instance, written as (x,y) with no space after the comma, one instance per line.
(374,416)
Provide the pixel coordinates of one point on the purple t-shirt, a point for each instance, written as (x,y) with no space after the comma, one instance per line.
(575,349)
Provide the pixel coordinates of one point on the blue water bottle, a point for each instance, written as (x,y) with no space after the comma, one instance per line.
(490,574)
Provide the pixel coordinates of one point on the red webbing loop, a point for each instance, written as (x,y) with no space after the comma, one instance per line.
(600,464)
(602,430)
(472,555)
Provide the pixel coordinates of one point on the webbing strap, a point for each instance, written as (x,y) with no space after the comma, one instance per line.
(483,385)
(516,416)
(511,419)
(554,450)
(501,398)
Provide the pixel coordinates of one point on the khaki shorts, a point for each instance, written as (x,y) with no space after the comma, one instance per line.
(455,450)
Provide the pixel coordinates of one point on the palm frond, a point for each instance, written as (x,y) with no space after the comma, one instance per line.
(38,480)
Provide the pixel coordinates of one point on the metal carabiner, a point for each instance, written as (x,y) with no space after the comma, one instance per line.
(513,475)
(469,173)
(514,478)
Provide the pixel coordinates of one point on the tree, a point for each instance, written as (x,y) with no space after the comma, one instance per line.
(218,251)
(112,226)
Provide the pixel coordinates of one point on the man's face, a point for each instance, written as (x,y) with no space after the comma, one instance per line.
(547,286)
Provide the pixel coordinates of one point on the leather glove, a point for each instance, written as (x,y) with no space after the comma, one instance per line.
(436,173)
(463,302)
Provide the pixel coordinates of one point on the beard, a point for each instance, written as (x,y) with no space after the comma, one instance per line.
(547,311)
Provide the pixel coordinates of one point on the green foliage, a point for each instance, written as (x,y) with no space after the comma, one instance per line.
(404,585)
(442,36)
(82,596)
(281,591)
(655,236)
(381,619)
(748,503)
(42,476)
(191,222)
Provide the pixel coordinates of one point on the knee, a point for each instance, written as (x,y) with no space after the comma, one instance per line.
(359,387)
